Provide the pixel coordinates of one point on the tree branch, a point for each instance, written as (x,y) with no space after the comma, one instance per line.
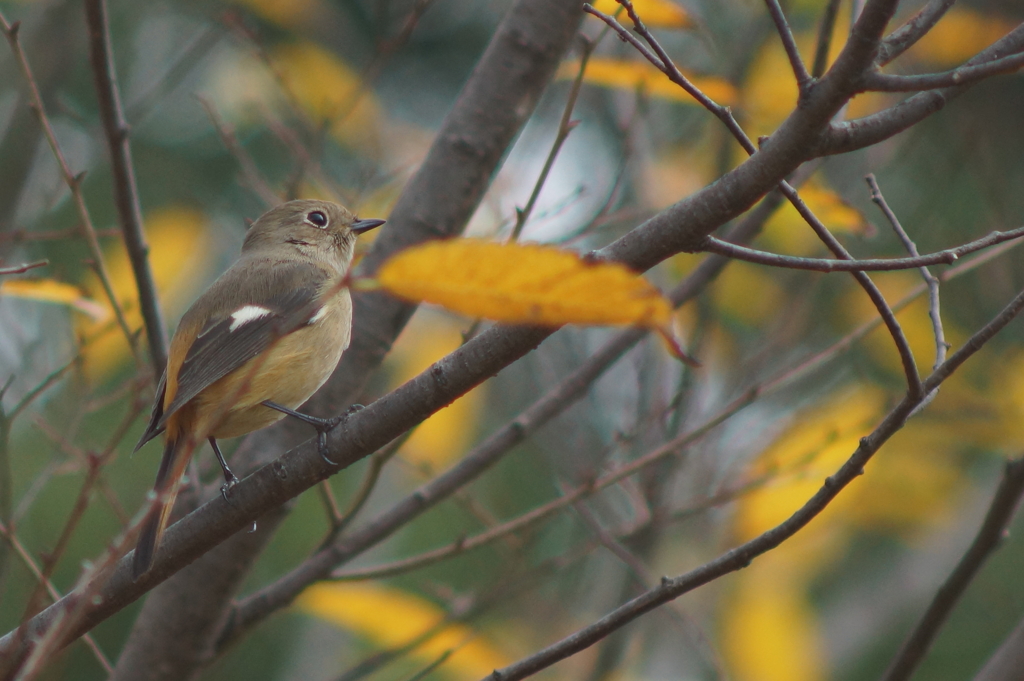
(438,201)
(73,182)
(875,81)
(945,257)
(863,132)
(126,193)
(904,37)
(741,556)
(21,269)
(803,78)
(989,537)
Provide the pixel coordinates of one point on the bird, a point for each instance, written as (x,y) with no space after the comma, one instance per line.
(254,346)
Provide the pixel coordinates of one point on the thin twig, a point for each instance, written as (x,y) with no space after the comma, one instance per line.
(742,555)
(947,256)
(989,537)
(19,235)
(26,559)
(565,126)
(366,487)
(825,30)
(274,596)
(904,37)
(74,182)
(934,310)
(876,81)
(803,78)
(665,64)
(205,39)
(126,193)
(253,178)
(914,386)
(19,269)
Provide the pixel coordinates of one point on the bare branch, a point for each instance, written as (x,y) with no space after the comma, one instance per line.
(44,580)
(126,193)
(904,37)
(253,178)
(803,78)
(74,182)
(875,81)
(862,132)
(20,269)
(825,30)
(854,58)
(930,280)
(565,126)
(989,537)
(741,556)
(945,257)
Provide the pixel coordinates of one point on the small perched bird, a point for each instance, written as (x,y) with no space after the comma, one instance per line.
(256,345)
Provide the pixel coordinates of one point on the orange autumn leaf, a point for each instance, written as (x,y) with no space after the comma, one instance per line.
(633,74)
(654,13)
(523,284)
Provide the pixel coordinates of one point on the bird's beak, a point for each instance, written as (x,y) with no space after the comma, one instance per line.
(360,226)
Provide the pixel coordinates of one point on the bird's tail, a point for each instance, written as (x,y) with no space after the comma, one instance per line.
(177,454)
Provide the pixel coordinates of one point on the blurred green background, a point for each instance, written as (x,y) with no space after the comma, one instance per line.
(234,106)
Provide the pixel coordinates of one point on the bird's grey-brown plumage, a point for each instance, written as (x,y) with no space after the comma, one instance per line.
(270,330)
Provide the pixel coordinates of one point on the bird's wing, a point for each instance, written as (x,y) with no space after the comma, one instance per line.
(249,316)
(155,426)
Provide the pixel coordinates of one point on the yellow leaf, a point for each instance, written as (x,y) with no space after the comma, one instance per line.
(393,619)
(331,92)
(634,74)
(654,13)
(50,291)
(523,284)
(958,36)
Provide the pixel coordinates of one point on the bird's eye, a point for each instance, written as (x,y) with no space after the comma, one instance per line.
(317,219)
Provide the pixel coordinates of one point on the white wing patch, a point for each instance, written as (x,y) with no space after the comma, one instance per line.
(320,314)
(247,314)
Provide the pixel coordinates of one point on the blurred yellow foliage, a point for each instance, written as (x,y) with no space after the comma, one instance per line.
(635,74)
(331,93)
(179,257)
(913,482)
(913,319)
(819,440)
(959,35)
(769,630)
(51,291)
(769,92)
(669,174)
(391,618)
(787,232)
(286,13)
(523,284)
(748,292)
(445,435)
(654,13)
